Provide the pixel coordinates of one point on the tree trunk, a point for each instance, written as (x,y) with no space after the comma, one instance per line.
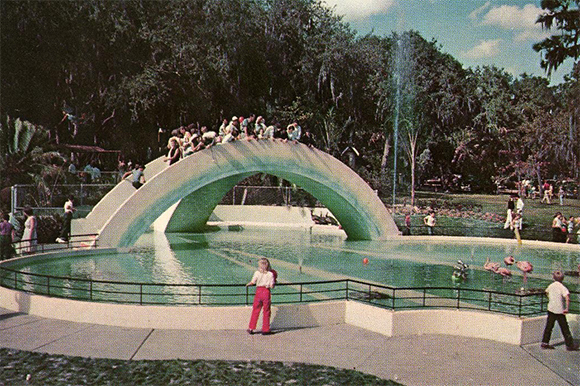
(413,162)
(386,151)
(539,177)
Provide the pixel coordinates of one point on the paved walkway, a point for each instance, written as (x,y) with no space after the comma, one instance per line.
(411,360)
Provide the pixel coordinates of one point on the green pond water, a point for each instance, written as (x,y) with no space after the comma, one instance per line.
(230,257)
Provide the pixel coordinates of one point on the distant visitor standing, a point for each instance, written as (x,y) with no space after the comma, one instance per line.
(6,230)
(520,205)
(547,188)
(65,230)
(29,236)
(408,224)
(570,225)
(558,304)
(263,279)
(510,213)
(558,235)
(430,221)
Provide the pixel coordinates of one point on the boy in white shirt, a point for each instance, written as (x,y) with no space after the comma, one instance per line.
(558,304)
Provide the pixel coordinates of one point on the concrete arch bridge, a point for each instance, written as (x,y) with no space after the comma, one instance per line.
(198,183)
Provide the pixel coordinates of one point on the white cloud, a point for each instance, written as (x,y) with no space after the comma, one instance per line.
(520,20)
(359,9)
(534,35)
(485,49)
(475,15)
(510,16)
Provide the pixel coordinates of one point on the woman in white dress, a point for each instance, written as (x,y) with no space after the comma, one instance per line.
(29,237)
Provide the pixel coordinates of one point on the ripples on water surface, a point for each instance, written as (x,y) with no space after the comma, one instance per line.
(230,257)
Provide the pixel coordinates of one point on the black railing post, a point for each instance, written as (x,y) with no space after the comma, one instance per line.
(394,294)
(424,296)
(140,294)
(346,289)
(520,308)
(199,294)
(458,297)
(15,280)
(91,290)
(48,285)
(247,296)
(300,293)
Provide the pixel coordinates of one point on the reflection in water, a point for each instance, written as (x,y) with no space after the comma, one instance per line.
(167,268)
(230,257)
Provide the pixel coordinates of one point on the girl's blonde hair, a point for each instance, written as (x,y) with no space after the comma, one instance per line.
(263,265)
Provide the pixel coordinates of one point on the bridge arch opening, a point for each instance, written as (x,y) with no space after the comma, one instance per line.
(199,182)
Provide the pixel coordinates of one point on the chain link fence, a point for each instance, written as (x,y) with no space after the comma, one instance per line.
(269,195)
(47,200)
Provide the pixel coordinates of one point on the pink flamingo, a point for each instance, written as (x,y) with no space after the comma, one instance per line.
(504,271)
(490,266)
(509,260)
(525,267)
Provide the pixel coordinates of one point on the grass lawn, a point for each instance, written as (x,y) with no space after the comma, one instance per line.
(29,368)
(535,213)
(450,221)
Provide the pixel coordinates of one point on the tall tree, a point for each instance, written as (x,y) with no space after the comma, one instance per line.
(563,15)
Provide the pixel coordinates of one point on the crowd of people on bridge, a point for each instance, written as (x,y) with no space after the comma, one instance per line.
(189,139)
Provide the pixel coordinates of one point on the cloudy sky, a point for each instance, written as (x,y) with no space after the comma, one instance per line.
(475,32)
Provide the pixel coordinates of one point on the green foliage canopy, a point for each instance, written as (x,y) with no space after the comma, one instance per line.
(125,68)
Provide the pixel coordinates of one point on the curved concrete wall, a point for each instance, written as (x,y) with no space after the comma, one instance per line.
(205,177)
(473,324)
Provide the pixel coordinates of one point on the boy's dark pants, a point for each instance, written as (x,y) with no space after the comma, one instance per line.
(561,318)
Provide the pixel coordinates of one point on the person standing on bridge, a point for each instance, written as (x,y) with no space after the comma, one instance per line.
(263,279)
(138,176)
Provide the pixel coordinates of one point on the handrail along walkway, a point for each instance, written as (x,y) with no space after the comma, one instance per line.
(86,240)
(395,298)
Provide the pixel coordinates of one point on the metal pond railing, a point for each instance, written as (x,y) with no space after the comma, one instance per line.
(520,304)
(31,246)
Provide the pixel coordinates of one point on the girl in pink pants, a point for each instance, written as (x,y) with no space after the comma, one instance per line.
(263,279)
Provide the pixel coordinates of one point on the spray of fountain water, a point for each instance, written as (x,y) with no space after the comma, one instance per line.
(398,61)
(403,114)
